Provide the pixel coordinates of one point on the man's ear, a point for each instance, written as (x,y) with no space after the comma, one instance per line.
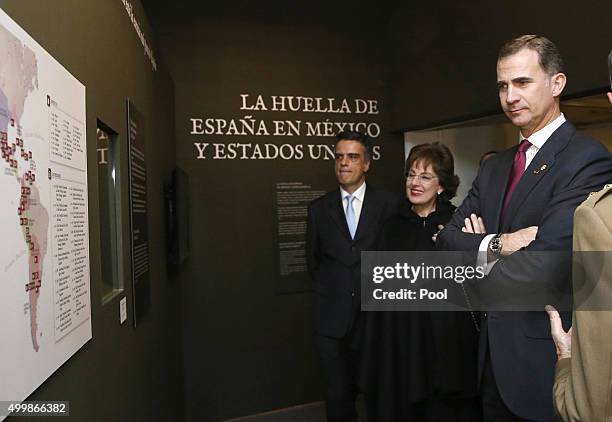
(558,84)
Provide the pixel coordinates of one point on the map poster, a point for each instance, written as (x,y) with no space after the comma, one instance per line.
(138,213)
(45,313)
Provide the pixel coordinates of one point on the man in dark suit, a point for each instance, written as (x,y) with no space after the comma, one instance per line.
(341,224)
(524,199)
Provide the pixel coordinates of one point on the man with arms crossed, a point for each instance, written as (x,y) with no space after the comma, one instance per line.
(341,224)
(524,199)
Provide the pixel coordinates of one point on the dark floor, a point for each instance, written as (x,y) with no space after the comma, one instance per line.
(310,412)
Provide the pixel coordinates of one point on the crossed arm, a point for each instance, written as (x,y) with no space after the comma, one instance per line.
(515,241)
(590,169)
(511,242)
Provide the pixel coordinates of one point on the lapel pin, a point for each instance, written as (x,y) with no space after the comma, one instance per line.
(543,168)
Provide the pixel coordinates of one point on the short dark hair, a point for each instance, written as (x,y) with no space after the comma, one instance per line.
(443,163)
(362,138)
(548,54)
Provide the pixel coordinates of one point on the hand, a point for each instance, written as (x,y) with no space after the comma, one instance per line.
(435,236)
(474,224)
(563,340)
(512,242)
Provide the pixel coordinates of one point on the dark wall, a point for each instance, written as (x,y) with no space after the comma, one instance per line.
(445,53)
(122,373)
(248,349)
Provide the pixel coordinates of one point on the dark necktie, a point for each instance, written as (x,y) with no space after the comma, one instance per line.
(518,168)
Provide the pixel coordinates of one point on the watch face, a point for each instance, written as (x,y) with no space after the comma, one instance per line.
(495,245)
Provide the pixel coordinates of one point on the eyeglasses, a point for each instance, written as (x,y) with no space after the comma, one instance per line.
(353,157)
(425,178)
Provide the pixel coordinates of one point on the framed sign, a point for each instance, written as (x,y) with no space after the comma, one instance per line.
(139,239)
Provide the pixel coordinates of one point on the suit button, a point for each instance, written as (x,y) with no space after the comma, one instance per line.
(485,314)
(353,294)
(353,249)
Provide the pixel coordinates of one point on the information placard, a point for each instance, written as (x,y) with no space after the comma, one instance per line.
(138,213)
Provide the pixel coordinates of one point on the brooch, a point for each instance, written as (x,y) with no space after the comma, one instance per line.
(541,169)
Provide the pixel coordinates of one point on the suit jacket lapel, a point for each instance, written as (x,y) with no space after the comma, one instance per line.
(536,171)
(370,212)
(499,182)
(538,168)
(336,211)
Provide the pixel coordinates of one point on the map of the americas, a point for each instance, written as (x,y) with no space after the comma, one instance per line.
(18,78)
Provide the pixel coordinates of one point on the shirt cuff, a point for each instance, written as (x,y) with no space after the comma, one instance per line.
(483,249)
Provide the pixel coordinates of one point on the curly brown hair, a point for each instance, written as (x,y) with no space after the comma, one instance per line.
(443,163)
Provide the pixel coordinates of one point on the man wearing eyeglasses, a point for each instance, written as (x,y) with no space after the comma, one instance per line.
(341,224)
(523,199)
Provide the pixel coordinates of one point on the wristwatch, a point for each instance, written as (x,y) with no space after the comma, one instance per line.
(495,245)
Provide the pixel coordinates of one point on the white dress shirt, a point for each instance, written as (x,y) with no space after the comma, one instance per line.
(537,140)
(357,202)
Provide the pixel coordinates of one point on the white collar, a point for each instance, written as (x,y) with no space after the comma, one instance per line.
(359,193)
(541,136)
